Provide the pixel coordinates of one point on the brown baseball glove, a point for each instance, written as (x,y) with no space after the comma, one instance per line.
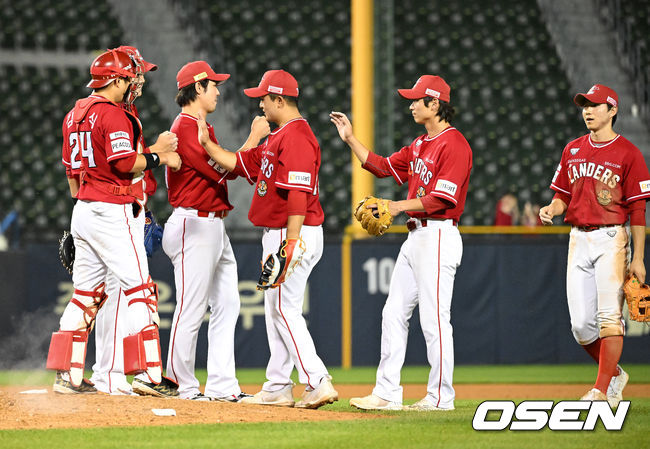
(376,218)
(637,296)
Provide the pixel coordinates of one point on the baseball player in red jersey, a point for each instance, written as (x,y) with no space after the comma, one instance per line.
(106,234)
(284,169)
(436,167)
(602,180)
(195,239)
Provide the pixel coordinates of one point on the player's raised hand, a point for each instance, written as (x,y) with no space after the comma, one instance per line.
(167,141)
(204,135)
(171,159)
(343,125)
(260,127)
(546,215)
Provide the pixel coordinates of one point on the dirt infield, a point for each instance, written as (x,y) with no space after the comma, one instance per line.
(48,410)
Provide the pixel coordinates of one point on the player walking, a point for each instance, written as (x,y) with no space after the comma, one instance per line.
(285,203)
(106,234)
(195,239)
(436,167)
(602,180)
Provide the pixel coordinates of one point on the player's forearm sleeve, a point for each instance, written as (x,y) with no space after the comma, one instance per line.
(377,165)
(433,204)
(297,202)
(637,213)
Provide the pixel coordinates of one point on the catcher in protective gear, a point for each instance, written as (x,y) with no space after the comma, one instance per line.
(637,296)
(279,266)
(374,215)
(66,251)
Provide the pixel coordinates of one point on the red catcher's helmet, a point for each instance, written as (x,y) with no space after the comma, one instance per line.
(109,66)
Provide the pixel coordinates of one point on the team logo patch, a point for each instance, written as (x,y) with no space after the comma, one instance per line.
(262,188)
(604,197)
(574,151)
(119,145)
(421,192)
(119,134)
(645,186)
(299,177)
(443,185)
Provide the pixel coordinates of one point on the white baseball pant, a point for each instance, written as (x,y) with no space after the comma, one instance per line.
(205,274)
(289,340)
(424,275)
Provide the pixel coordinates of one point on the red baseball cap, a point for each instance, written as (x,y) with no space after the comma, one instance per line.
(427,86)
(598,94)
(277,82)
(132,51)
(197,71)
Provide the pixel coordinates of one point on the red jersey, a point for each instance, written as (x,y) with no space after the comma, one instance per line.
(601,179)
(101,132)
(71,155)
(201,182)
(437,166)
(289,159)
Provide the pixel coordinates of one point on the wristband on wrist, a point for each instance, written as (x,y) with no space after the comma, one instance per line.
(153,160)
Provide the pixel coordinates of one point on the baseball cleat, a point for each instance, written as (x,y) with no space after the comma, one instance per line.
(594,395)
(167,388)
(374,402)
(279,398)
(323,394)
(200,397)
(615,388)
(234,398)
(424,405)
(63,386)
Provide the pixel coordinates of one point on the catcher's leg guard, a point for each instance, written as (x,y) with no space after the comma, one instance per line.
(88,303)
(142,354)
(68,353)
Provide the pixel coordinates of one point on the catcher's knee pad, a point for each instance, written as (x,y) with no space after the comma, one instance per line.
(68,353)
(142,354)
(146,294)
(83,307)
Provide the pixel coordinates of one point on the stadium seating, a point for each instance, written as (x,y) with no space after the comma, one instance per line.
(64,25)
(35,100)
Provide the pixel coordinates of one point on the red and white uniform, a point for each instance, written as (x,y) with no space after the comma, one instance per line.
(109,240)
(599,181)
(108,370)
(205,270)
(437,169)
(289,159)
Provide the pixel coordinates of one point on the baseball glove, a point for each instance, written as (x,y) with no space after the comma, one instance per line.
(278,267)
(376,218)
(637,296)
(153,233)
(66,251)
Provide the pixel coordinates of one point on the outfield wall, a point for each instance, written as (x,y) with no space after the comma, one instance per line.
(509,302)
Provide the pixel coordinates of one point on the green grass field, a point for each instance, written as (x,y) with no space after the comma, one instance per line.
(403,429)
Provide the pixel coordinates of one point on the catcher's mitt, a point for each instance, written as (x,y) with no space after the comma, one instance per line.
(66,251)
(376,218)
(153,233)
(637,296)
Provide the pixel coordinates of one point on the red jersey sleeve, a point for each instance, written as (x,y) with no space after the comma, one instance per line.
(249,163)
(453,170)
(194,155)
(560,182)
(119,131)
(297,163)
(637,178)
(395,165)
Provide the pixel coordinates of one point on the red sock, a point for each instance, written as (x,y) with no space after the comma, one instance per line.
(610,353)
(593,349)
